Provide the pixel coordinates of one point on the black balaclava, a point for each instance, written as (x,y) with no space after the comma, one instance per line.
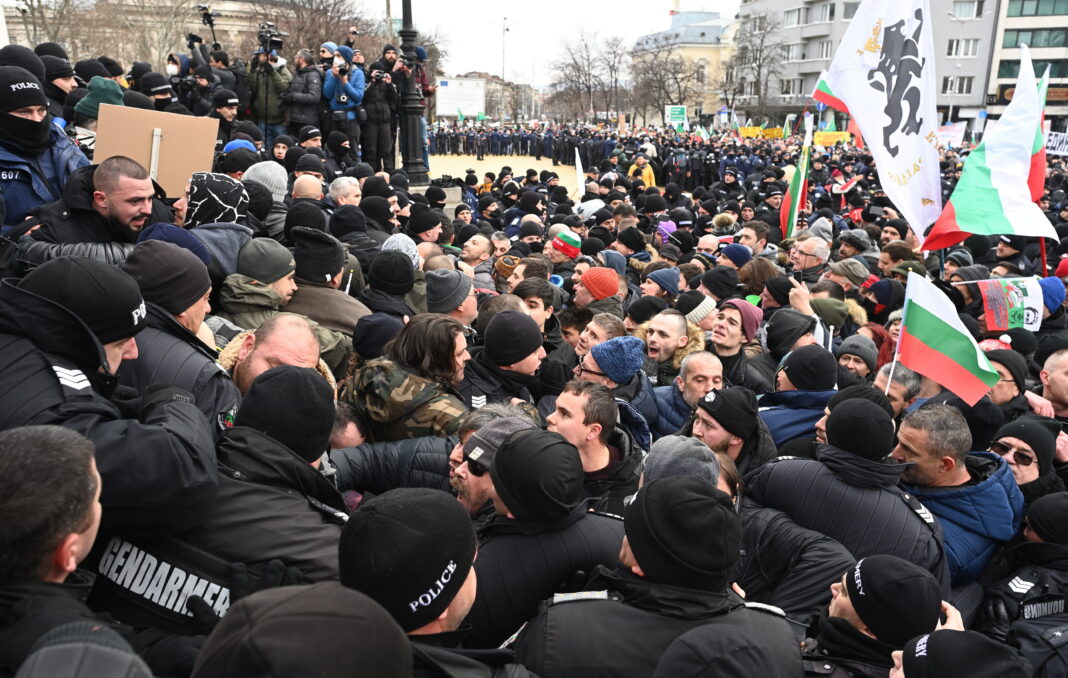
(18,89)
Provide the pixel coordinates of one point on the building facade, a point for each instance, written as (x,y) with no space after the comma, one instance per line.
(1042,25)
(805,33)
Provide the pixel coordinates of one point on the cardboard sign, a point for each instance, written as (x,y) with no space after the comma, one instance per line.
(186,145)
(750,132)
(1057,144)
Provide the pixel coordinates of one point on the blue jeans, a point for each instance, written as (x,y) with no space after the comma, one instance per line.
(270,132)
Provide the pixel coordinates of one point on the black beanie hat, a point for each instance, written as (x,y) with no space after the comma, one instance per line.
(632,238)
(734,408)
(683,532)
(24,57)
(1040,433)
(864,391)
(1046,518)
(529,228)
(113,67)
(861,427)
(274,633)
(134,99)
(378,186)
(347,219)
(528,202)
(19,88)
(303,213)
(308,163)
(260,200)
(655,203)
(155,83)
(538,475)
(378,210)
(1012,361)
(510,337)
(942,654)
(51,49)
(103,296)
(391,272)
(168,275)
(223,98)
(411,549)
(56,68)
(591,246)
(423,219)
(435,194)
(373,332)
(319,256)
(721,281)
(811,368)
(87,69)
(779,289)
(644,308)
(293,405)
(896,599)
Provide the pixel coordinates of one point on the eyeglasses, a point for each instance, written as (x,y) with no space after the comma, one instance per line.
(580,370)
(802,253)
(1022,457)
(477,469)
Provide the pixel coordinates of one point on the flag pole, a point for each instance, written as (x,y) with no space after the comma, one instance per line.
(1042,251)
(897,344)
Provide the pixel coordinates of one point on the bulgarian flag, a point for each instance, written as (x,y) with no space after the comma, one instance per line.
(798,189)
(935,343)
(993,196)
(1036,178)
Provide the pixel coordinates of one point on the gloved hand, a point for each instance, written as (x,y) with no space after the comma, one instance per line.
(160,394)
(275,574)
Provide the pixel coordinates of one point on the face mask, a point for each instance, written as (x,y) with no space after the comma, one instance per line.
(28,136)
(494,214)
(172,69)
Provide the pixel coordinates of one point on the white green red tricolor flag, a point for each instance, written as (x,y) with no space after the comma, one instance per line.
(1012,302)
(883,75)
(994,195)
(797,191)
(935,343)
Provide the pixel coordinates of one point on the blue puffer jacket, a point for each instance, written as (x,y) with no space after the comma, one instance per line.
(26,183)
(353,89)
(673,412)
(793,414)
(975,518)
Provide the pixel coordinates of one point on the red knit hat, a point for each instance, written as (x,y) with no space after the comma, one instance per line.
(1062,268)
(568,244)
(601,282)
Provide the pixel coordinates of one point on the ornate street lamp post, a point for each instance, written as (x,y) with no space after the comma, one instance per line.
(411,133)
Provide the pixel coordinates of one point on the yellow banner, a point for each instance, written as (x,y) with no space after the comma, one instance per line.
(750,132)
(830,138)
(773,133)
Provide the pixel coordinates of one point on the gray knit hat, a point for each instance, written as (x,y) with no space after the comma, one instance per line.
(446,289)
(270,174)
(862,347)
(265,260)
(680,456)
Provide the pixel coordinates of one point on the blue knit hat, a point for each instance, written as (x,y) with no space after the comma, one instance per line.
(1052,293)
(346,53)
(739,255)
(620,358)
(176,236)
(668,279)
(332,46)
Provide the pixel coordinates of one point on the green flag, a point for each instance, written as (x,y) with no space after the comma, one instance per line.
(831,125)
(460,114)
(481,116)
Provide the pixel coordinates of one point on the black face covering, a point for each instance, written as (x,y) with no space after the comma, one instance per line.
(28,137)
(327,61)
(55,92)
(162,104)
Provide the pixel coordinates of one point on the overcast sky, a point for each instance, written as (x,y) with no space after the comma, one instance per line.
(536,31)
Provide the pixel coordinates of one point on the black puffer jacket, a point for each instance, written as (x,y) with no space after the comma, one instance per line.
(380,467)
(788,566)
(486,383)
(157,465)
(870,515)
(520,563)
(168,353)
(628,622)
(439,655)
(302,100)
(1027,581)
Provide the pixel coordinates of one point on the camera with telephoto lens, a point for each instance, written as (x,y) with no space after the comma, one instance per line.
(270,38)
(377,76)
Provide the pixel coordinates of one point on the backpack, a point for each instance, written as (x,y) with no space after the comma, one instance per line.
(1044,643)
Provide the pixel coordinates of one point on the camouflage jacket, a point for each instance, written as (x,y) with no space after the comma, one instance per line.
(397,404)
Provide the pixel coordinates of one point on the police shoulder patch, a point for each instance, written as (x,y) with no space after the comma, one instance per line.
(578,595)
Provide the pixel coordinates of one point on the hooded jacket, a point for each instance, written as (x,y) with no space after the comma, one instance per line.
(624,623)
(249,303)
(872,515)
(399,404)
(266,84)
(302,100)
(158,469)
(793,414)
(486,383)
(619,480)
(976,517)
(328,306)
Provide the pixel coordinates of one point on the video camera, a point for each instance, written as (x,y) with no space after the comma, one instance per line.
(270,38)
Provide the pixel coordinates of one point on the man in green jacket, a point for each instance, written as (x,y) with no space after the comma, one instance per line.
(268,78)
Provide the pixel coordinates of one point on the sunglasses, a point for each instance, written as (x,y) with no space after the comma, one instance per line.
(1022,457)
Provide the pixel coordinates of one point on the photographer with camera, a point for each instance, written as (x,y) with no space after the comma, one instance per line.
(268,79)
(302,99)
(380,102)
(344,89)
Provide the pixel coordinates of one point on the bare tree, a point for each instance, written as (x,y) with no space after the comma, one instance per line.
(760,56)
(663,77)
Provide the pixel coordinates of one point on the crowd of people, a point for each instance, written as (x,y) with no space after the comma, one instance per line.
(308,419)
